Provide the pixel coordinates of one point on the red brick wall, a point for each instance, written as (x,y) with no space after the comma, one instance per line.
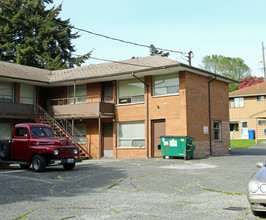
(198,113)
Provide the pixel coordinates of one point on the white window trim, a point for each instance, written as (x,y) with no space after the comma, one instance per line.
(132,139)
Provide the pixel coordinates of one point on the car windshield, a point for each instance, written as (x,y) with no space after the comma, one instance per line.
(41,132)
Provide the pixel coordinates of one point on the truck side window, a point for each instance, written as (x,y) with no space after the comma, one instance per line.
(21,132)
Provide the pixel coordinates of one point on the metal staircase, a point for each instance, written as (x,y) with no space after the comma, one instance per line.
(62,128)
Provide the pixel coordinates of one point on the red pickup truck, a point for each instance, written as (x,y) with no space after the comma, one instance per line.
(35,144)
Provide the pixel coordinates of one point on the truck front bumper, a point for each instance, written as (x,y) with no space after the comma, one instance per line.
(63,161)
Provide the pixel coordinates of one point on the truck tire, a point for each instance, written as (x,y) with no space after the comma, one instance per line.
(38,163)
(5,150)
(69,166)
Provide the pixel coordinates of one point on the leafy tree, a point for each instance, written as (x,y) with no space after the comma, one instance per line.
(249,81)
(31,34)
(234,68)
(155,51)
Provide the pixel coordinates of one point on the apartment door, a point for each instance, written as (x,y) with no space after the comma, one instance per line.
(244,130)
(107,139)
(158,129)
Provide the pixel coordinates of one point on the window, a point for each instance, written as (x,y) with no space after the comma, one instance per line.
(261,122)
(130,91)
(41,132)
(27,94)
(236,102)
(81,137)
(131,134)
(217,130)
(79,96)
(5,131)
(165,84)
(21,132)
(6,92)
(234,126)
(260,98)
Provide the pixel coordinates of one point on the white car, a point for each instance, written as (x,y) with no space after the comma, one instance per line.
(257,191)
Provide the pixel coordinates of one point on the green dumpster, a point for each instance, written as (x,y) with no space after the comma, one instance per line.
(177,146)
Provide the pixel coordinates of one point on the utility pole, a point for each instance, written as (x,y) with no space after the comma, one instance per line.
(189,57)
(263,60)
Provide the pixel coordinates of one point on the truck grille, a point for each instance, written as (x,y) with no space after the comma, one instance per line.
(65,153)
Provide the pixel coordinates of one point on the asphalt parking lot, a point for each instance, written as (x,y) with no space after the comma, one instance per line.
(206,188)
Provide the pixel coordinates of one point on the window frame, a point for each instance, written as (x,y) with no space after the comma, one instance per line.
(232,102)
(166,94)
(260,98)
(129,97)
(24,99)
(132,139)
(219,129)
(77,99)
(2,96)
(262,122)
(8,126)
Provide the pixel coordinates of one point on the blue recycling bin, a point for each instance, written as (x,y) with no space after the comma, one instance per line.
(251,134)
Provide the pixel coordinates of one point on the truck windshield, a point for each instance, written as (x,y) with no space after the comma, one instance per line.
(41,132)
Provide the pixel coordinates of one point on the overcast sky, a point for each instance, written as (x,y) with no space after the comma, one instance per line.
(233,28)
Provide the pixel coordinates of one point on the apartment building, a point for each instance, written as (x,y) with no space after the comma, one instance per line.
(248,112)
(120,109)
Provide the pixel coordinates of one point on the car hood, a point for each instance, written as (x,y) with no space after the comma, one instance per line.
(260,175)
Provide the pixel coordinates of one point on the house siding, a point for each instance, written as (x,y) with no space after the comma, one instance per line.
(252,111)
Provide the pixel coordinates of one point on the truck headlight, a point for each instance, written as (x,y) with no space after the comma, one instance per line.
(253,186)
(56,152)
(76,151)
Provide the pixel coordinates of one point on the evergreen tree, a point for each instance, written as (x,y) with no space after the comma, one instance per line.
(155,51)
(31,34)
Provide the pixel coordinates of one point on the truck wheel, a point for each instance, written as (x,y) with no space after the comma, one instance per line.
(69,166)
(5,150)
(38,163)
(24,166)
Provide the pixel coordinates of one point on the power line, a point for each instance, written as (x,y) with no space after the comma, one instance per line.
(108,37)
(123,41)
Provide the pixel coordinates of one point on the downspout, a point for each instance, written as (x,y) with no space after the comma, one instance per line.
(147,112)
(210,116)
(74,91)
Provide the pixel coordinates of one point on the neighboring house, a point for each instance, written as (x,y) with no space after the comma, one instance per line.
(120,108)
(248,112)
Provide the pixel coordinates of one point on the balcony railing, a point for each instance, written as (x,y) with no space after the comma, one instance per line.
(82,100)
(82,107)
(14,99)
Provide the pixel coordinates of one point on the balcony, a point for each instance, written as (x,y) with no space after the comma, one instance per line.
(82,107)
(16,107)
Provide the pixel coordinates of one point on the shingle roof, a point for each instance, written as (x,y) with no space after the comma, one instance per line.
(112,68)
(95,72)
(11,70)
(258,89)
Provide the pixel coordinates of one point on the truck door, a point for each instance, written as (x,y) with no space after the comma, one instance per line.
(19,144)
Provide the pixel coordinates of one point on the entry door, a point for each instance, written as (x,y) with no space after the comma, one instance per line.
(107,140)
(158,129)
(244,130)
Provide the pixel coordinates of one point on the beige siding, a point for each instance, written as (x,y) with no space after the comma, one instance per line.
(252,111)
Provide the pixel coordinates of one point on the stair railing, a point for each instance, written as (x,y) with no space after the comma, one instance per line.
(63,125)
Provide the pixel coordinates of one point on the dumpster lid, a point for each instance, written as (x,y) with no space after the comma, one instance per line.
(176,137)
